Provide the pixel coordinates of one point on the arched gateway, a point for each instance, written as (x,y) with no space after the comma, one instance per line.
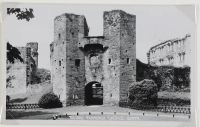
(93,93)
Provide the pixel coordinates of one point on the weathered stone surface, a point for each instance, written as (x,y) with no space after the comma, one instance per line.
(175,52)
(143,94)
(78,59)
(23,72)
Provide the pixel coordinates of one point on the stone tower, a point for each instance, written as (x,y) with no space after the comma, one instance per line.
(119,33)
(82,64)
(67,61)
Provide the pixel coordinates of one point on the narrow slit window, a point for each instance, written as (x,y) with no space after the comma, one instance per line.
(77,62)
(72,34)
(109,61)
(59,36)
(128,61)
(59,63)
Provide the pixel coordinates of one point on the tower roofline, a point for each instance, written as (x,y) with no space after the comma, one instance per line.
(118,11)
(32,43)
(68,14)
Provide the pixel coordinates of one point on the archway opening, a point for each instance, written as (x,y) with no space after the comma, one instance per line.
(94,93)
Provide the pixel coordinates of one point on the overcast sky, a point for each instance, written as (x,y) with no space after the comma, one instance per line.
(154,24)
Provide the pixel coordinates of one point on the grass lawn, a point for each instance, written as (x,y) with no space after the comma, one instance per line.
(28,115)
(174,98)
(174,95)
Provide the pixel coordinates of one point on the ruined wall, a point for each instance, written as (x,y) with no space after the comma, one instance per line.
(22,72)
(18,72)
(34,52)
(174,52)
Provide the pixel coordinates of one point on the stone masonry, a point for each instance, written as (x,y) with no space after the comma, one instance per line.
(174,52)
(23,72)
(78,60)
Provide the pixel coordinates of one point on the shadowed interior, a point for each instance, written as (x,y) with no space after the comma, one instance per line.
(93,93)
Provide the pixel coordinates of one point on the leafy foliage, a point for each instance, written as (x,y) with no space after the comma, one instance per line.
(143,94)
(42,75)
(8,81)
(49,100)
(13,53)
(21,14)
(168,78)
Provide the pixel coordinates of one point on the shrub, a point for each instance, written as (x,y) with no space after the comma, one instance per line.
(49,100)
(143,94)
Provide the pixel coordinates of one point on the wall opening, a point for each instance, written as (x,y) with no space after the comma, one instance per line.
(128,61)
(59,36)
(94,93)
(109,61)
(77,62)
(72,34)
(59,63)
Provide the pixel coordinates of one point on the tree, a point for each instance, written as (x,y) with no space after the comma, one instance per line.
(21,14)
(13,53)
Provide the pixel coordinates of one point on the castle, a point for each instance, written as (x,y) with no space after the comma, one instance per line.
(88,70)
(174,52)
(23,72)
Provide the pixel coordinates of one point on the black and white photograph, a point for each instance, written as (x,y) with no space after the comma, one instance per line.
(98,62)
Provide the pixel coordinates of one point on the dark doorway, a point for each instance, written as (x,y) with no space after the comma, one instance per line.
(94,93)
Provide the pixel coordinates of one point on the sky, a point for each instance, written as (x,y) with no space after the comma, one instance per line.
(154,24)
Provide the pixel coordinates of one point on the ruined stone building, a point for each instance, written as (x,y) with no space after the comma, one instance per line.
(174,52)
(88,70)
(23,72)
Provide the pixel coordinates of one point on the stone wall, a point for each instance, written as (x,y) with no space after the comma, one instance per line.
(22,72)
(127,54)
(34,51)
(18,71)
(174,52)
